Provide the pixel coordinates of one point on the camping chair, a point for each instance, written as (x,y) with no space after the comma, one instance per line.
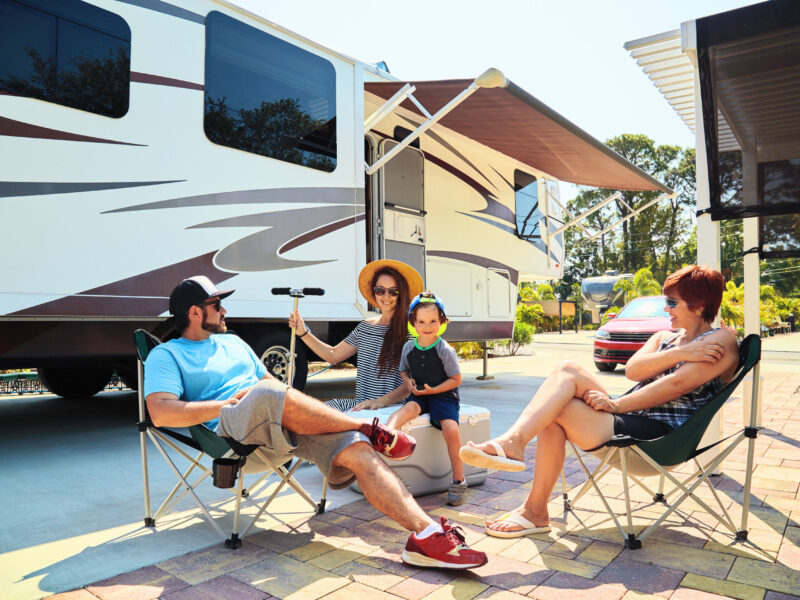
(638,458)
(207,443)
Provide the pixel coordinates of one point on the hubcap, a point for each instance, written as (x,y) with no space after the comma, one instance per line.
(276,359)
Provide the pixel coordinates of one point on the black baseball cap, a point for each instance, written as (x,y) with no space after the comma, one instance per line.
(192,292)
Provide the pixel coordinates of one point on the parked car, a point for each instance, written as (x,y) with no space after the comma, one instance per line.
(627,331)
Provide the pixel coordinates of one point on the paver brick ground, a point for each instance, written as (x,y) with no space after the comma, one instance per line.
(353,552)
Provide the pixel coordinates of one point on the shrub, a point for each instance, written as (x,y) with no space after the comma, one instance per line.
(468,350)
(523,335)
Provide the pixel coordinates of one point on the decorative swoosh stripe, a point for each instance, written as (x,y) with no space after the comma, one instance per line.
(540,245)
(481,261)
(493,206)
(260,251)
(312,235)
(167,9)
(14,128)
(500,226)
(143,295)
(10,189)
(168,81)
(444,143)
(268,195)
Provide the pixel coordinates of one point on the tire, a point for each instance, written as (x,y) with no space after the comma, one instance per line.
(273,350)
(604,366)
(76,382)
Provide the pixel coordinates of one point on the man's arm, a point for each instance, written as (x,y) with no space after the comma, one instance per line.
(167,410)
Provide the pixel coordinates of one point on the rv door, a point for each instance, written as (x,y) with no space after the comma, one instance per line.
(402,202)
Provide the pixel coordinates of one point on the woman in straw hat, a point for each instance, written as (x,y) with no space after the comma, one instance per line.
(377,342)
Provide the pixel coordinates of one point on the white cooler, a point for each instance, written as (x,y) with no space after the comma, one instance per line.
(428,469)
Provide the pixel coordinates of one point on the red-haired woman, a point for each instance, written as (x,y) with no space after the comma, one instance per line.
(678,371)
(389,286)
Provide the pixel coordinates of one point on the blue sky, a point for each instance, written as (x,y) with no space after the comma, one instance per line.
(569,54)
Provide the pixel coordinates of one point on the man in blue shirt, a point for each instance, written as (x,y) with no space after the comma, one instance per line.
(203,377)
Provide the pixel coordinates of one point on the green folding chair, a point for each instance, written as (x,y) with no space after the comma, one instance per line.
(639,458)
(208,445)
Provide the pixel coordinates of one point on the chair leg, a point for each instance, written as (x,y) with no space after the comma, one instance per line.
(234,542)
(593,482)
(322,499)
(630,540)
(148,514)
(189,489)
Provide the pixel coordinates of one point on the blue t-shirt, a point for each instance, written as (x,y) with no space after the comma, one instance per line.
(213,369)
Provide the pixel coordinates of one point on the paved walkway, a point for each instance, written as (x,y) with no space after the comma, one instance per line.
(352,552)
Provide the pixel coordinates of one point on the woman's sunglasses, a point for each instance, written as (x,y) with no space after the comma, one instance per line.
(671,302)
(217,304)
(380,291)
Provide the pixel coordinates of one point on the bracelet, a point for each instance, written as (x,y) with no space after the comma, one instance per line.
(304,334)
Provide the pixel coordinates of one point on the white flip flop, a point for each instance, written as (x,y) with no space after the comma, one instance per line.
(516,519)
(478,458)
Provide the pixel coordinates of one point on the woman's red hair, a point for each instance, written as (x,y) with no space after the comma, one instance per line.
(700,287)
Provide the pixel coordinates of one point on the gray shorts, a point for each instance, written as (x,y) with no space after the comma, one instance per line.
(256,419)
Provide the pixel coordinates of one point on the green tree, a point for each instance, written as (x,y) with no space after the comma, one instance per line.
(654,237)
(643,284)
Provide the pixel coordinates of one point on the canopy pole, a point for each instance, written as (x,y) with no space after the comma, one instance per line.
(752,308)
(708,239)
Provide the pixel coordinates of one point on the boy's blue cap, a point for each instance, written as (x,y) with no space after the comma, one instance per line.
(425,297)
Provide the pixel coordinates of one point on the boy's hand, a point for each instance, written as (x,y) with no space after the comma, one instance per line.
(411,385)
(422,392)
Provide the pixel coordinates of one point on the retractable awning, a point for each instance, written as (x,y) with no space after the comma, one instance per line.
(511,121)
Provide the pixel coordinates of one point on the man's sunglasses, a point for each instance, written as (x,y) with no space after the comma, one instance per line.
(380,291)
(217,304)
(671,302)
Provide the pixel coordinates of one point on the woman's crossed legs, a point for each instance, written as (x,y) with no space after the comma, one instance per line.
(555,414)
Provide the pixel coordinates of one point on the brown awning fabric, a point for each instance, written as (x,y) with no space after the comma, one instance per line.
(518,125)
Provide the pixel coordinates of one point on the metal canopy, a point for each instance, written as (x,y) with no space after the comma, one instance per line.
(671,70)
(514,123)
(749,67)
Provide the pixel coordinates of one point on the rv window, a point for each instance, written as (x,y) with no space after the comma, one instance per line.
(266,96)
(67,52)
(526,197)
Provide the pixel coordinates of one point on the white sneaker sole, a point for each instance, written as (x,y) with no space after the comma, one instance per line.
(420,560)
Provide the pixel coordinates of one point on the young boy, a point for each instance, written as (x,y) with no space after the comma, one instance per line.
(429,368)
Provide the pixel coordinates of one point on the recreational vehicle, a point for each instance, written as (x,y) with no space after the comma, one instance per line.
(599,295)
(144,142)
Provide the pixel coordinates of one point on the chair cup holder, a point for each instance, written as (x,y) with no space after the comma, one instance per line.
(225,470)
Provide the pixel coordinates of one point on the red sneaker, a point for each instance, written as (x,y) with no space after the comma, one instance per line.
(393,444)
(447,550)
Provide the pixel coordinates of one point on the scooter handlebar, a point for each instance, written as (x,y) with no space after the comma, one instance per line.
(313,291)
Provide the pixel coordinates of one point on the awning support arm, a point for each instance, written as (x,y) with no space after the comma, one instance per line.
(490,78)
(392,103)
(633,214)
(583,215)
(571,216)
(426,124)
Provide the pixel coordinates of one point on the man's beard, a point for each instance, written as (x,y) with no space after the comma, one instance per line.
(213,327)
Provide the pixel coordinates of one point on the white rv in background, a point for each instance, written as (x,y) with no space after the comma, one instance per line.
(144,142)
